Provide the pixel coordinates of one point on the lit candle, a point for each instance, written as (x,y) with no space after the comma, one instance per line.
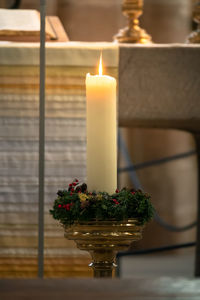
(101,132)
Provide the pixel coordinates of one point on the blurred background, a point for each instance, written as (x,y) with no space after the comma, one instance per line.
(173,185)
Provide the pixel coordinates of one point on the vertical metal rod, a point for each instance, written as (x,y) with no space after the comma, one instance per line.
(41,142)
(118,269)
(197,258)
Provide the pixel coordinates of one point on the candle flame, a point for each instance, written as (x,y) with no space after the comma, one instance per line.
(100,65)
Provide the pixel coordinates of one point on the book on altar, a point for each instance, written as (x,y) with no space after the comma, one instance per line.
(20,24)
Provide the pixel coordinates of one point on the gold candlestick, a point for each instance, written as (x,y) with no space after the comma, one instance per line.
(132,9)
(194,37)
(102,239)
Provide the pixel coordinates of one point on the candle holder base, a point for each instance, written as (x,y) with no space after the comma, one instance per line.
(194,37)
(102,239)
(135,35)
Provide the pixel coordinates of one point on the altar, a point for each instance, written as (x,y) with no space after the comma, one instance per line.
(142,73)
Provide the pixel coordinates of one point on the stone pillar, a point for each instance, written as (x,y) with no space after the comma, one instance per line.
(168,21)
(5,3)
(90,20)
(51,6)
(173,185)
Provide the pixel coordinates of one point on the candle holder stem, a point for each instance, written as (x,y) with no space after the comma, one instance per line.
(103,263)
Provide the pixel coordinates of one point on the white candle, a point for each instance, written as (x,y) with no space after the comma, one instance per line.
(101,132)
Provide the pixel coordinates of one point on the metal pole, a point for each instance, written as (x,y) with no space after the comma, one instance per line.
(197,258)
(41,142)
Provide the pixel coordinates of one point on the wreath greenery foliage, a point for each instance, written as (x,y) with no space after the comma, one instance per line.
(77,204)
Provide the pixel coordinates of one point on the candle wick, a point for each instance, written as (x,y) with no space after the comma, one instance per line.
(100,65)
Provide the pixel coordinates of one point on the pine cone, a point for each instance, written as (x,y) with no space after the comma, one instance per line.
(83,187)
(60,193)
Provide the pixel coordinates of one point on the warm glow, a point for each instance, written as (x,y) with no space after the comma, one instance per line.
(100,65)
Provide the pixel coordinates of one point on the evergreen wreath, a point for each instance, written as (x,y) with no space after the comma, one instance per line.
(77,204)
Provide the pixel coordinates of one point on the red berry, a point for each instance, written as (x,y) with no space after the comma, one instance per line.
(115,200)
(59,205)
(70,184)
(133,193)
(117,191)
(68,206)
(74,183)
(72,190)
(76,180)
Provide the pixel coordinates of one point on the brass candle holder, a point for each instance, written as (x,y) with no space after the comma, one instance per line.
(132,9)
(194,37)
(102,223)
(103,239)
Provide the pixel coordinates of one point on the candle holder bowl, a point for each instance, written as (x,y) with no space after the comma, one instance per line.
(102,223)
(103,239)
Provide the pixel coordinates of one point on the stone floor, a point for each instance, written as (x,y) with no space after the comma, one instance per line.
(143,277)
(148,266)
(160,288)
